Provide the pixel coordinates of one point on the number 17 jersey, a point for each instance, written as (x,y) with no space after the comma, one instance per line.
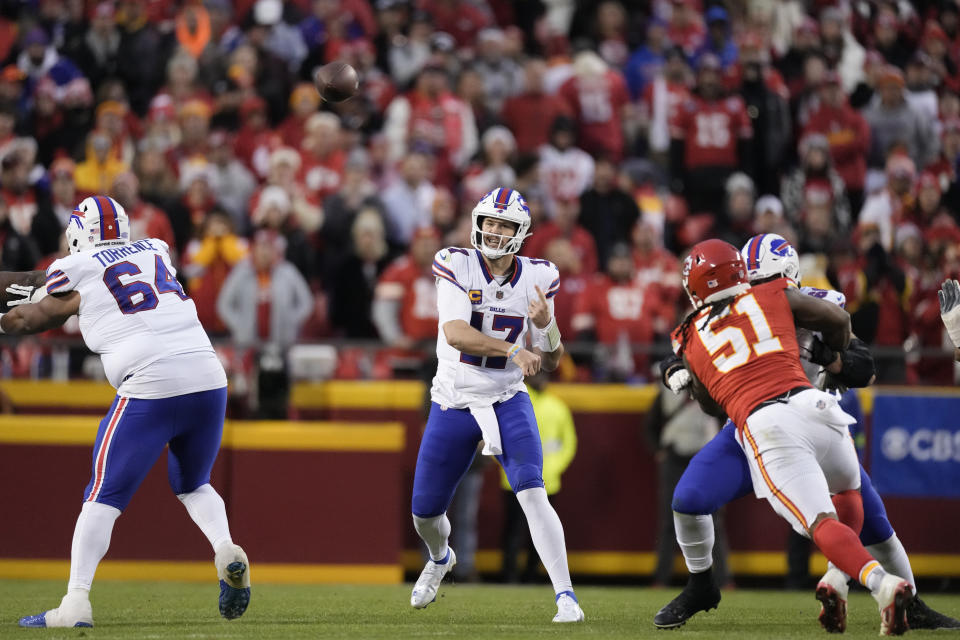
(748,353)
(134,313)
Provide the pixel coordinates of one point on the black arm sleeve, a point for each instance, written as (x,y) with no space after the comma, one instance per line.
(858,368)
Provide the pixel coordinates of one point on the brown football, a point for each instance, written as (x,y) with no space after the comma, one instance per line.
(336,81)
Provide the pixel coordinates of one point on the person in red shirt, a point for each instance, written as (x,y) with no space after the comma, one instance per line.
(847,133)
(146,220)
(662,97)
(462,20)
(686,28)
(255,140)
(600,102)
(303,103)
(323,156)
(405,298)
(945,166)
(531,114)
(658,271)
(573,282)
(566,212)
(618,311)
(708,140)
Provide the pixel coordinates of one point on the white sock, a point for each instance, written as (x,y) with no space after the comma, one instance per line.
(206,508)
(547,533)
(435,532)
(891,554)
(91,539)
(695,537)
(874,576)
(830,566)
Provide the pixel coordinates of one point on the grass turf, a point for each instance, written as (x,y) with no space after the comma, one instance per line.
(173,610)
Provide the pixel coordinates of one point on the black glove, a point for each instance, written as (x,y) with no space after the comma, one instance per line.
(858,368)
(667,366)
(821,354)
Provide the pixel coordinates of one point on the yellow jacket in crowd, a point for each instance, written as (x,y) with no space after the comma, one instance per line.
(558,435)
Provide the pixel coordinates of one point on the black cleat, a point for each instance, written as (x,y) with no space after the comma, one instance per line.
(698,595)
(920,616)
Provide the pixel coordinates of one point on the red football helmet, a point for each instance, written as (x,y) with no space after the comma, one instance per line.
(713,270)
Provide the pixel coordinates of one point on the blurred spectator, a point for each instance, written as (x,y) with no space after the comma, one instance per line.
(894,122)
(404,308)
(739,197)
(927,210)
(194,119)
(63,191)
(645,63)
(273,212)
(815,170)
(657,270)
(303,104)
(530,114)
(461,19)
(182,85)
(818,226)
(38,59)
(874,67)
(841,48)
(270,33)
(255,141)
(618,312)
(661,101)
(330,24)
(498,146)
(197,199)
(26,208)
(100,167)
(18,251)
(685,28)
(766,100)
(158,182)
(146,220)
(719,41)
(610,32)
(323,155)
(111,119)
(558,437)
(141,46)
(97,53)
(886,208)
(887,38)
(806,42)
(573,281)
(565,171)
(284,171)
(598,98)
(606,211)
(847,134)
(339,209)
(920,93)
(408,54)
(351,295)
(431,118)
(208,261)
(709,140)
(408,200)
(471,89)
(234,184)
(767,214)
(564,225)
(502,78)
(946,164)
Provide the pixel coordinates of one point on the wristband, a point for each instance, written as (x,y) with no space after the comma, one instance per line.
(550,336)
(1,323)
(513,351)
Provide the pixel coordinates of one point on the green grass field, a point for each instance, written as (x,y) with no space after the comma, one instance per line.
(172,610)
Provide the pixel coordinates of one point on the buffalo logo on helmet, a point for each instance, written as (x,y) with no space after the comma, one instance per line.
(781,248)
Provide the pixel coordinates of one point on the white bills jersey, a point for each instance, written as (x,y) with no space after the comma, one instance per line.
(805,336)
(496,306)
(134,314)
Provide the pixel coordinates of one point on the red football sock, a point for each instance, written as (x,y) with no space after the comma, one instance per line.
(841,546)
(849,506)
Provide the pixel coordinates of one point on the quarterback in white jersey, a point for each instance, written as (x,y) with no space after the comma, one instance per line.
(491,303)
(171,390)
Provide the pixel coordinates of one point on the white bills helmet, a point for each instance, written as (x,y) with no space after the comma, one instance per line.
(503,204)
(98,221)
(771,255)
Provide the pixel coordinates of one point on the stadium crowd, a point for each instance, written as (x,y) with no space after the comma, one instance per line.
(633,130)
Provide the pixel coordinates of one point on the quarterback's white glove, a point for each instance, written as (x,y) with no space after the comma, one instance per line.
(949,296)
(27,294)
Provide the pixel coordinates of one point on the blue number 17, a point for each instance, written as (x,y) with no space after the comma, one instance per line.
(513,325)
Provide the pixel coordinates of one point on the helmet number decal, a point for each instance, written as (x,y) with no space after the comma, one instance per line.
(715,342)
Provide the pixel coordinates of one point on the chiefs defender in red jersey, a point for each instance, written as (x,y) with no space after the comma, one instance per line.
(740,347)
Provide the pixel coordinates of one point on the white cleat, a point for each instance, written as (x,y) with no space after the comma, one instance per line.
(568,609)
(832,593)
(894,597)
(425,591)
(74,611)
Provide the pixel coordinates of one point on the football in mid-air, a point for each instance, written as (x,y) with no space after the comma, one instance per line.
(336,81)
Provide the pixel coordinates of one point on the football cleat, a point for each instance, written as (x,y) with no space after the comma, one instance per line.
(74,611)
(425,590)
(893,597)
(695,597)
(832,594)
(568,608)
(920,616)
(233,569)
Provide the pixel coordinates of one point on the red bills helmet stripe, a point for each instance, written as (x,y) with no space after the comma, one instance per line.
(503,198)
(109,221)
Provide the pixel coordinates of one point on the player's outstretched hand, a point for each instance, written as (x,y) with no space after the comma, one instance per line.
(528,362)
(949,296)
(25,294)
(539,311)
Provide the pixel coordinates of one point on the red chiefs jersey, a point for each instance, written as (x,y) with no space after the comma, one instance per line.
(597,104)
(147,221)
(615,309)
(748,353)
(711,130)
(415,287)
(322,176)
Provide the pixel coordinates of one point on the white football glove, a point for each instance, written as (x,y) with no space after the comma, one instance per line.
(28,294)
(949,296)
(678,380)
